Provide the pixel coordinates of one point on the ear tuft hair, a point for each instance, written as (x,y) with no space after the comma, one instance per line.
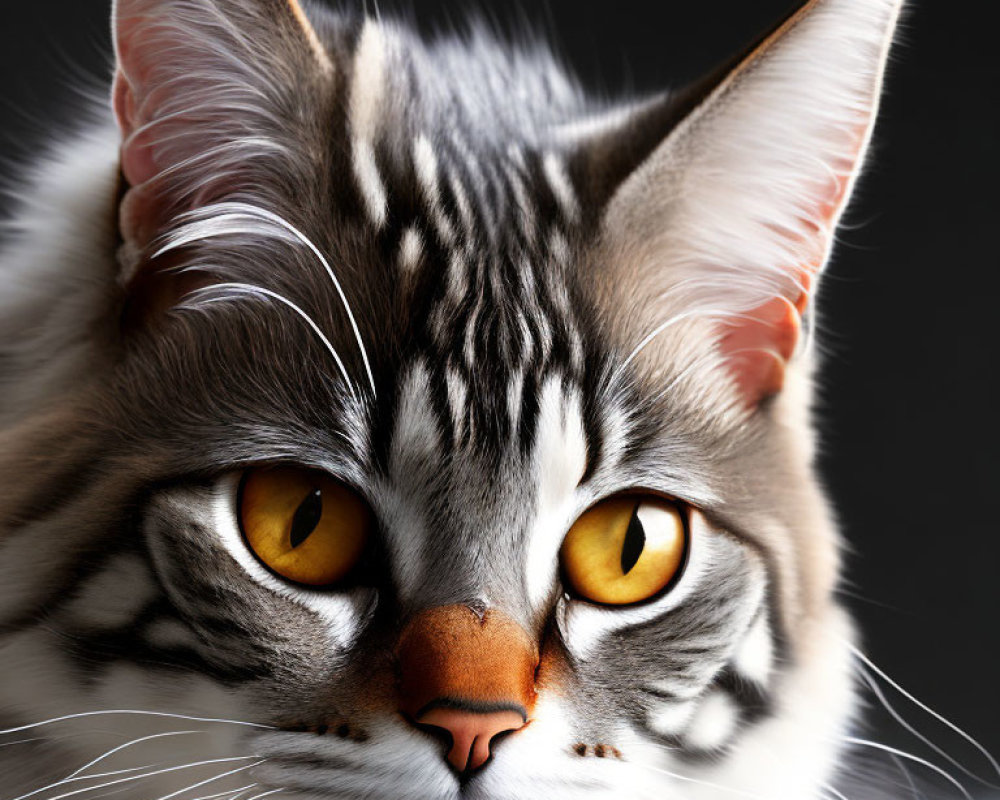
(207,94)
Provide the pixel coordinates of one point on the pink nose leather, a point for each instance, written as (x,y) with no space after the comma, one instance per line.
(471,733)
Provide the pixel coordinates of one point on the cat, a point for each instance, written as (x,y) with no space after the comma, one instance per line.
(386,418)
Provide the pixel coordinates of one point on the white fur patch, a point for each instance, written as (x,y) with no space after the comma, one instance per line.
(416,448)
(367,93)
(457,392)
(416,429)
(425,163)
(515,399)
(670,718)
(370,182)
(714,722)
(560,458)
(411,250)
(755,656)
(458,278)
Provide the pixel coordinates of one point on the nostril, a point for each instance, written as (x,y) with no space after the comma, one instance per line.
(470,735)
(441,734)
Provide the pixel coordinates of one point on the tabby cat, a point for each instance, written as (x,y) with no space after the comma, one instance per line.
(385,418)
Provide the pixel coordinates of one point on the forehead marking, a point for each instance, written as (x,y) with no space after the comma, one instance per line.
(515,399)
(458,278)
(425,164)
(562,188)
(469,348)
(415,452)
(560,460)
(462,203)
(457,392)
(525,208)
(416,430)
(367,93)
(411,249)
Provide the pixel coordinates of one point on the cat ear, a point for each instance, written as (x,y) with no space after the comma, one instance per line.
(731,216)
(205,94)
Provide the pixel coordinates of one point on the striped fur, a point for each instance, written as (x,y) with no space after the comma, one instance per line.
(425,285)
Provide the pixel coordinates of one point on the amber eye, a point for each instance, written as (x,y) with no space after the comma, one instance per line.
(625,550)
(304,525)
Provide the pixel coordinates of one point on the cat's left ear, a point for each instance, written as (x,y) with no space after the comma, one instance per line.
(211,97)
(731,214)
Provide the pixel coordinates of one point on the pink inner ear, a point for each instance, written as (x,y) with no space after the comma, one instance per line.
(757,346)
(123,102)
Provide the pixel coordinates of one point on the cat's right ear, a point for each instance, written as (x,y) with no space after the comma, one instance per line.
(720,204)
(207,94)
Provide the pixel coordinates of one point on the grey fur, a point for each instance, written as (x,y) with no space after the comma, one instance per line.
(495,340)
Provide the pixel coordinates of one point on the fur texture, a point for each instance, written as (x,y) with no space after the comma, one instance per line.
(442,274)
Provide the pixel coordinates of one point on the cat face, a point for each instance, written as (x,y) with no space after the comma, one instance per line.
(446,435)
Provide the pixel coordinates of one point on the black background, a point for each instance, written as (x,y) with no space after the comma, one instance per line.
(908,401)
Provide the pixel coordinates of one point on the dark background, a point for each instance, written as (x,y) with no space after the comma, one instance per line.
(908,401)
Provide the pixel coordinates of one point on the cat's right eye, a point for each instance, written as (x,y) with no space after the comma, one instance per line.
(302,524)
(625,549)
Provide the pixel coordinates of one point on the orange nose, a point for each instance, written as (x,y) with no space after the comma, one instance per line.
(469,675)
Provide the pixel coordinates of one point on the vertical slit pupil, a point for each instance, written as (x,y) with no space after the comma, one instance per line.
(307,517)
(634,544)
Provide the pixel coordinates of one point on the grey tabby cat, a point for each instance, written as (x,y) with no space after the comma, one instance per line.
(385,418)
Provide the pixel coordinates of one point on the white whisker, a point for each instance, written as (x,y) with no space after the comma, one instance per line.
(229,793)
(257,291)
(265,794)
(95,777)
(834,791)
(880,695)
(24,741)
(709,784)
(163,771)
(121,747)
(205,782)
(235,210)
(684,373)
(131,711)
(659,329)
(927,709)
(910,757)
(914,792)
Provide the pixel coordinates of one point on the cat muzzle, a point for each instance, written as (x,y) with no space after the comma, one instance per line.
(468,676)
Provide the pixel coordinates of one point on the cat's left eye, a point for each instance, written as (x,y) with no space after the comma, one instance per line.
(625,549)
(302,524)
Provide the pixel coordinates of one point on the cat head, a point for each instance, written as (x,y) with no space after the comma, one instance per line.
(443,429)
